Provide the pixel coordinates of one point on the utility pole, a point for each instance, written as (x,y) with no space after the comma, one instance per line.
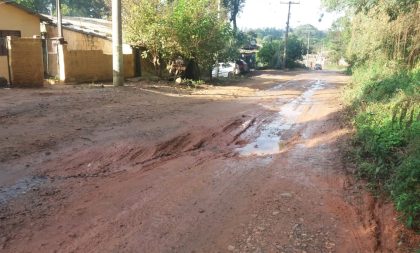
(286,37)
(117,55)
(60,44)
(307,50)
(59,21)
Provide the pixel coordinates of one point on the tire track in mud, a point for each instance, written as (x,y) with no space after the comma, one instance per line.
(97,162)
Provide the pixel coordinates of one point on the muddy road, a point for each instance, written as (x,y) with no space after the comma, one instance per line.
(256,166)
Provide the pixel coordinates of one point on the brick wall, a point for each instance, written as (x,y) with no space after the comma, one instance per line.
(26,63)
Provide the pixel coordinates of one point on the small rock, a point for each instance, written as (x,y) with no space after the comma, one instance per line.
(286,195)
(48,153)
(178,80)
(276,212)
(201,210)
(231,248)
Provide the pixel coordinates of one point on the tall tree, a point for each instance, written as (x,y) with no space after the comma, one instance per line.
(234,7)
(82,8)
(189,29)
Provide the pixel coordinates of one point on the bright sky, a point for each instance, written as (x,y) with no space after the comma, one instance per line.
(270,13)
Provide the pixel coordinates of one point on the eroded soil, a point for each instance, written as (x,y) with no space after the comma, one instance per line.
(252,167)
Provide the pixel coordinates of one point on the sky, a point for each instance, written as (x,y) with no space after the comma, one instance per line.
(271,13)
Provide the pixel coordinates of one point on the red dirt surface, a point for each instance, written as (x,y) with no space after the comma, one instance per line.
(255,166)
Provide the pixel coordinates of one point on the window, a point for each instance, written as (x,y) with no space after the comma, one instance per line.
(3,35)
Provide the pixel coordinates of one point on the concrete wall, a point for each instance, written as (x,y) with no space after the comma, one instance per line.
(77,40)
(92,65)
(52,65)
(81,41)
(87,58)
(26,63)
(13,18)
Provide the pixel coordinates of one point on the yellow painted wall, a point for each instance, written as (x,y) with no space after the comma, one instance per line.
(81,41)
(4,72)
(25,56)
(92,65)
(13,18)
(87,58)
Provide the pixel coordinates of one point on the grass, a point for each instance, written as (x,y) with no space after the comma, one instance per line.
(385,100)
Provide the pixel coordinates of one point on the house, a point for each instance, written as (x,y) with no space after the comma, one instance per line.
(249,54)
(30,49)
(87,53)
(22,64)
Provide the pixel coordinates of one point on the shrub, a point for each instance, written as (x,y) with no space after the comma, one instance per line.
(386,103)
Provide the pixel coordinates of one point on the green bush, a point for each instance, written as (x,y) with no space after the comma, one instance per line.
(386,104)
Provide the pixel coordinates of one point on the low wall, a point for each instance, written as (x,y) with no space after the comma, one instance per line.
(93,65)
(4,67)
(26,63)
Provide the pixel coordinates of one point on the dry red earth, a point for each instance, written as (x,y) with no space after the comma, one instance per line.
(256,166)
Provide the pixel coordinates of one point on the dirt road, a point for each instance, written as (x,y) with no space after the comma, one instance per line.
(251,167)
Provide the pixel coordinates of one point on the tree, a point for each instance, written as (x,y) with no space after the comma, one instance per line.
(269,54)
(234,7)
(338,37)
(169,30)
(199,32)
(40,6)
(316,36)
(82,8)
(146,25)
(392,7)
(380,29)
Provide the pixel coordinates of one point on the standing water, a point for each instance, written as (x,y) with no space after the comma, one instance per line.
(269,141)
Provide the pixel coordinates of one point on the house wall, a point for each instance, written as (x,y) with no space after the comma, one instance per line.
(13,18)
(26,63)
(87,58)
(92,65)
(81,41)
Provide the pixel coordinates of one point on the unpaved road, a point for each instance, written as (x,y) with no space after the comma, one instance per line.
(252,167)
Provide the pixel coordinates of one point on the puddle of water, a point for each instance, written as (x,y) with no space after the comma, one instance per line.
(20,187)
(269,140)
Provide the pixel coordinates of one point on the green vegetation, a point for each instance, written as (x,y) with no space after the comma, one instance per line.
(386,105)
(80,8)
(272,41)
(189,30)
(381,41)
(271,53)
(233,7)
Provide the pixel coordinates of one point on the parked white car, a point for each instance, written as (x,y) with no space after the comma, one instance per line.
(228,69)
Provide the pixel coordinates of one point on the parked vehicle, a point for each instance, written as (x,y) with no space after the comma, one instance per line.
(318,66)
(243,66)
(228,69)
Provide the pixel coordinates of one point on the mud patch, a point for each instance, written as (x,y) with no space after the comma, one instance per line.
(20,187)
(270,139)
